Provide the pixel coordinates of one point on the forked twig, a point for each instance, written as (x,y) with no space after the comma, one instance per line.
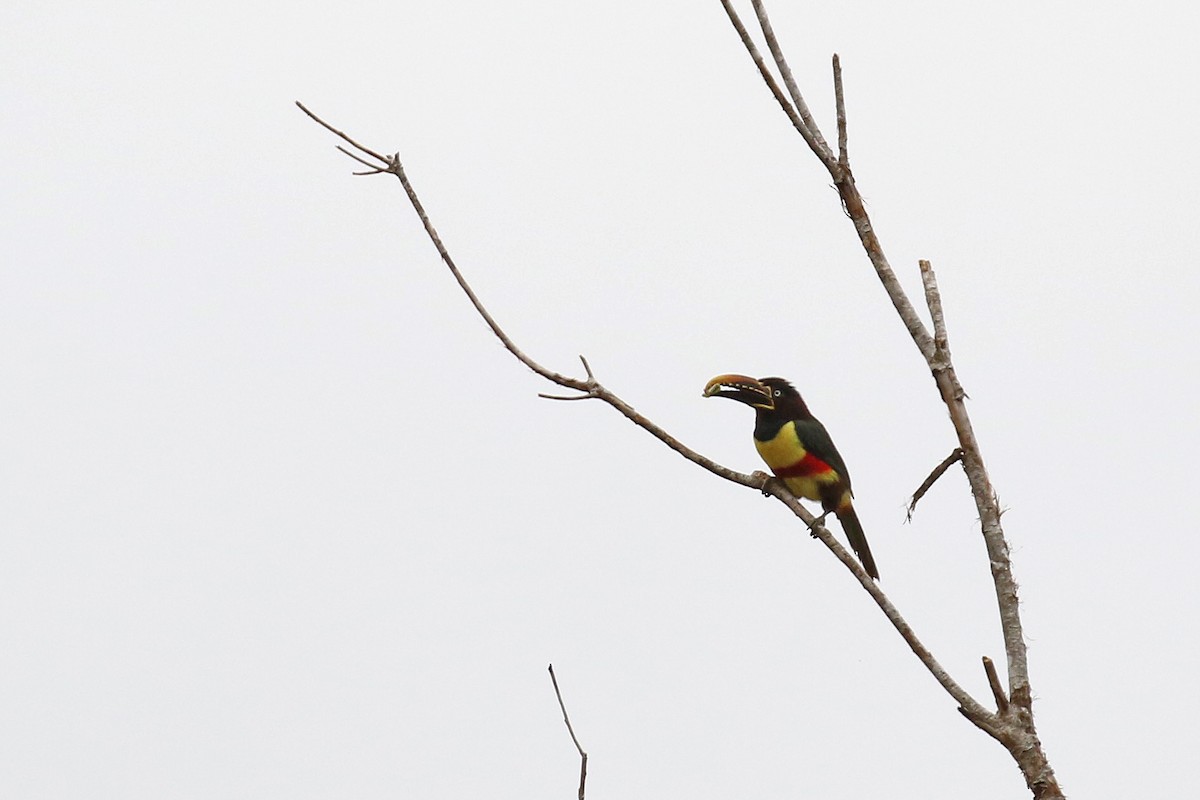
(815,139)
(343,136)
(567,719)
(768,78)
(588,395)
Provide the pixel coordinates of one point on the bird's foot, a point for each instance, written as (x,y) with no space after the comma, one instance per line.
(819,521)
(766,479)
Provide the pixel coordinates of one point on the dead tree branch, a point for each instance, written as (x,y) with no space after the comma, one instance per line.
(815,139)
(590,388)
(567,719)
(839,99)
(1012,726)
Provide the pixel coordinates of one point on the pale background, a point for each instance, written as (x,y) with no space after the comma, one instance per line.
(280,518)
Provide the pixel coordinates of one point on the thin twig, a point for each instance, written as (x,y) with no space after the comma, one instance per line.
(852,201)
(589,386)
(767,76)
(589,395)
(955,455)
(815,139)
(545,396)
(839,98)
(997,689)
(343,136)
(588,369)
(374,169)
(571,730)
(933,299)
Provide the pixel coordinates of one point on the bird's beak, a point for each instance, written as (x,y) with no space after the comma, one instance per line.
(742,388)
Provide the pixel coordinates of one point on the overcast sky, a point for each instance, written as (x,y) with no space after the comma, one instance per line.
(280,518)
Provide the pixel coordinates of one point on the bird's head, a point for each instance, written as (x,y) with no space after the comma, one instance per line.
(763,394)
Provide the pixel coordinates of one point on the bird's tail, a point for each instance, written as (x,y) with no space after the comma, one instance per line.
(858,539)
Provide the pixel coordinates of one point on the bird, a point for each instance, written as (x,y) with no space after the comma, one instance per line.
(798,450)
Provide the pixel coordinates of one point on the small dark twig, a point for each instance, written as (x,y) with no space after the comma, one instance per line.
(955,455)
(997,689)
(570,730)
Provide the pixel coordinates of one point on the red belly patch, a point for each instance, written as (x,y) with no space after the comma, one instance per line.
(807,467)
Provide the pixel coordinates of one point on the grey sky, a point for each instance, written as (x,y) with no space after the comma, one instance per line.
(280,518)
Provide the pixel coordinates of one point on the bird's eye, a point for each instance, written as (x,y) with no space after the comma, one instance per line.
(779,393)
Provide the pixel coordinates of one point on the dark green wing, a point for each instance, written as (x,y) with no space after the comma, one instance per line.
(816,440)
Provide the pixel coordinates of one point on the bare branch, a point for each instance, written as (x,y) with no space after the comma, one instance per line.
(767,76)
(839,98)
(374,169)
(997,689)
(852,201)
(588,369)
(589,386)
(938,471)
(978,714)
(815,140)
(588,396)
(933,300)
(570,730)
(342,136)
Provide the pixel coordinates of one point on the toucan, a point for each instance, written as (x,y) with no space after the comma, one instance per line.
(798,450)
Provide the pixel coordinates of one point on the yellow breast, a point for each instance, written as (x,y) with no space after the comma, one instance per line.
(786,450)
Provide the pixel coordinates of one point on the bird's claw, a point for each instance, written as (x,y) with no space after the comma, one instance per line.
(766,481)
